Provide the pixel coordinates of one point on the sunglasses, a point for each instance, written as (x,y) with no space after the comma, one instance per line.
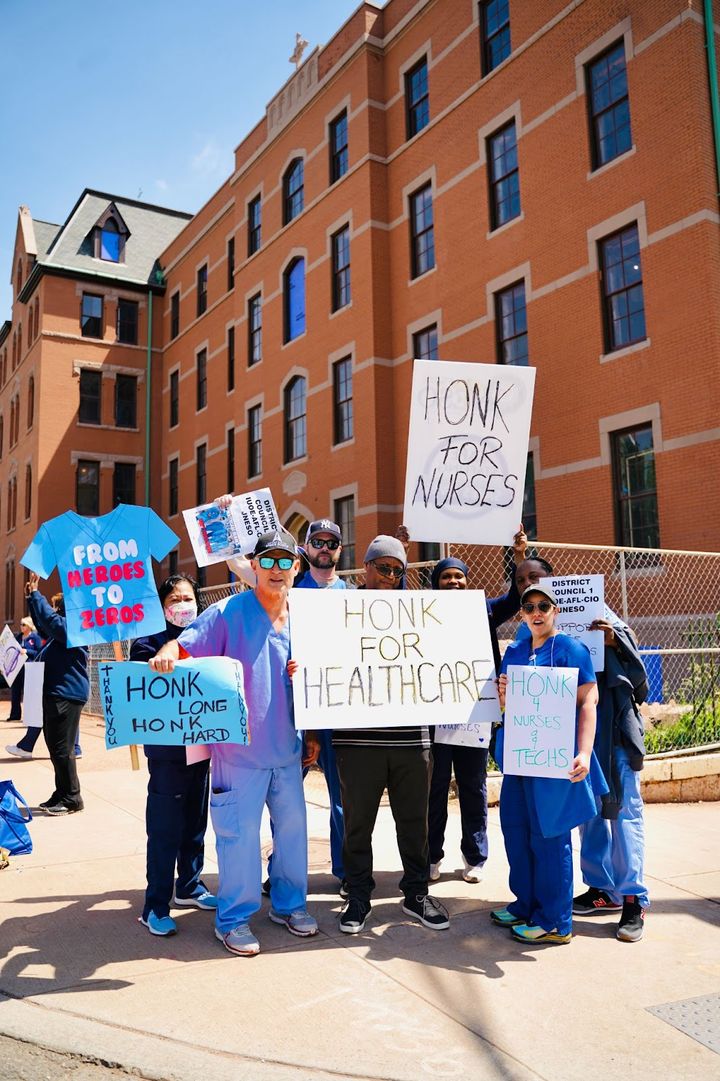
(268,562)
(388,571)
(318,542)
(542,606)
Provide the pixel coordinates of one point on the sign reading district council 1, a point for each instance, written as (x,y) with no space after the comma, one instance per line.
(581,599)
(400,658)
(467,451)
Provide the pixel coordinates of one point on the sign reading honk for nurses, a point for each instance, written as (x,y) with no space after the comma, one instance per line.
(539,737)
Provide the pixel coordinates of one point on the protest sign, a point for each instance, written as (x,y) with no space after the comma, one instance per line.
(467,451)
(218,533)
(12,657)
(464,735)
(200,702)
(539,736)
(396,658)
(581,600)
(33,694)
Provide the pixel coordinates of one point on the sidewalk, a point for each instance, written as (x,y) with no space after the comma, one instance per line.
(79,974)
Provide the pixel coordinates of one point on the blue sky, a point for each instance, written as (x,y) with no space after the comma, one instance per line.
(145,96)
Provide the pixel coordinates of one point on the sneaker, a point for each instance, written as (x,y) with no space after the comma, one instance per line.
(266,888)
(429,911)
(503,917)
(159,925)
(57,809)
(240,940)
(13,748)
(594,902)
(435,871)
(535,936)
(344,889)
(49,802)
(201,900)
(299,923)
(473,874)
(632,921)
(353,916)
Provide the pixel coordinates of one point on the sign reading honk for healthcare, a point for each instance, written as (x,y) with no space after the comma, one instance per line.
(539,737)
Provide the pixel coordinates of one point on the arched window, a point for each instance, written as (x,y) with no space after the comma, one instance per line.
(293,190)
(14,352)
(37,316)
(110,241)
(2,433)
(18,277)
(294,300)
(28,491)
(31,401)
(11,433)
(19,355)
(295,419)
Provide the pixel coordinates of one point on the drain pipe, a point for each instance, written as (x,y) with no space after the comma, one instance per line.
(713,77)
(148,401)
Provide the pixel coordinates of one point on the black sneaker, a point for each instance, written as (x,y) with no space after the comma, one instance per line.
(265,887)
(594,902)
(344,890)
(429,911)
(57,809)
(353,916)
(632,921)
(49,802)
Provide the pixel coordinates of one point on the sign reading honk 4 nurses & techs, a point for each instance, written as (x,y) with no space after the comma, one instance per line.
(539,735)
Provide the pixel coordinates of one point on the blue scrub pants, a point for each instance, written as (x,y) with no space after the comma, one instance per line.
(328,765)
(236,816)
(612,852)
(176,820)
(541,873)
(470,765)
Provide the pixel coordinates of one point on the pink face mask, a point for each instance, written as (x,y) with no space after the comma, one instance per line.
(181,614)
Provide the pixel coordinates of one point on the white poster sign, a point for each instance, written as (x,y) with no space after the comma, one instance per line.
(373,658)
(12,657)
(218,533)
(581,600)
(539,736)
(33,694)
(464,735)
(467,451)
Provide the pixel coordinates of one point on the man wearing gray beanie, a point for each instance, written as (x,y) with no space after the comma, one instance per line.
(368,761)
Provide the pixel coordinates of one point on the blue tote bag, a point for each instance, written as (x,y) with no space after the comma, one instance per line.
(14,817)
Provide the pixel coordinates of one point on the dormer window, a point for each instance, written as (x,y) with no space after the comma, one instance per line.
(110,241)
(109,237)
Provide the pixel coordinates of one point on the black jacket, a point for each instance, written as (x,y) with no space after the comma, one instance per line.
(622,687)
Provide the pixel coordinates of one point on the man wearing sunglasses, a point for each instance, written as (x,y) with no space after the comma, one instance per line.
(253,628)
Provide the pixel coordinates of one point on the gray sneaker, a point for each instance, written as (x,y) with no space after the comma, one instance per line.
(13,749)
(240,940)
(299,923)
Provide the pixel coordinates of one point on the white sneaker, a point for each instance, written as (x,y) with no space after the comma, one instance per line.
(435,871)
(472,874)
(18,751)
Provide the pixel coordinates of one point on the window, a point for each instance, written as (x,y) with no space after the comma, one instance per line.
(293,190)
(338,146)
(201,577)
(110,241)
(494,33)
(126,401)
(174,398)
(511,325)
(87,488)
(417,98)
(609,106)
(173,487)
(2,434)
(294,297)
(254,330)
(231,358)
(127,321)
(89,411)
(230,460)
(10,590)
(231,263)
(174,315)
(340,243)
(173,562)
(254,225)
(201,474)
(201,378)
(422,235)
(623,303)
(425,343)
(28,491)
(202,282)
(123,483)
(11,503)
(635,488)
(295,419)
(91,319)
(529,508)
(345,518)
(342,400)
(504,176)
(14,415)
(254,441)
(31,402)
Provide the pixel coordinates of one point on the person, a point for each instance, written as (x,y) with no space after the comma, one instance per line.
(368,761)
(31,644)
(65,691)
(612,844)
(469,764)
(176,811)
(537,814)
(253,628)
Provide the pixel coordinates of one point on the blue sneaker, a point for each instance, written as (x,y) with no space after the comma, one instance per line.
(205,900)
(240,940)
(504,918)
(159,925)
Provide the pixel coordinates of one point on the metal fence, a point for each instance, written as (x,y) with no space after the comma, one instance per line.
(671,601)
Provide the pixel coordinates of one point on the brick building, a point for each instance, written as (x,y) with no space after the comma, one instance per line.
(510,181)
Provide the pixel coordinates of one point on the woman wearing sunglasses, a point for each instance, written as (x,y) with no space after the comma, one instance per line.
(538,813)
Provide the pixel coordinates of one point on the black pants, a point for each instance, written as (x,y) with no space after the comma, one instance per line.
(470,765)
(61,721)
(364,773)
(176,819)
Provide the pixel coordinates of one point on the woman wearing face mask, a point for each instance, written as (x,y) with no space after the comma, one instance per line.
(177,802)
